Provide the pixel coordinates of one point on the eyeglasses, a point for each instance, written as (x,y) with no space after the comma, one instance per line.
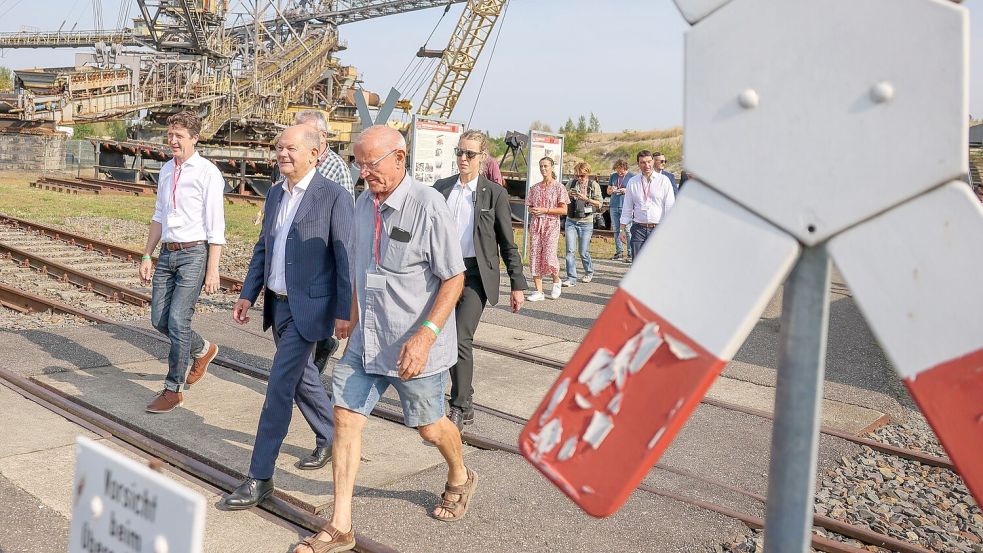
(372,166)
(466,153)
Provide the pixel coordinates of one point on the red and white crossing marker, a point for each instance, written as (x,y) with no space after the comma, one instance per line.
(924,303)
(620,401)
(805,144)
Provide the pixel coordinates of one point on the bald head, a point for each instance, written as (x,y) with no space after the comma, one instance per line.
(296,152)
(380,153)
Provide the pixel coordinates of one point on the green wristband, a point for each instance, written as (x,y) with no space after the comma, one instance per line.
(431,326)
(145,258)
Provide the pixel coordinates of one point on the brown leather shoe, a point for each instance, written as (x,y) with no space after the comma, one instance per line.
(165,402)
(200,365)
(340,541)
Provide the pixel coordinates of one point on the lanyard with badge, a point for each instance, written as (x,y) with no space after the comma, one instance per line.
(375,280)
(174,219)
(588,207)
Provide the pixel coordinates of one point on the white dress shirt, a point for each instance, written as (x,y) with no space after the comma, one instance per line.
(195,208)
(647,201)
(281,228)
(461,203)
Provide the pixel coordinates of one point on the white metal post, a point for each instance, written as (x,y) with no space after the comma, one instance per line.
(798,404)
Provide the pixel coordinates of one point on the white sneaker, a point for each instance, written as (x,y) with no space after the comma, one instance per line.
(587,278)
(555,292)
(570,282)
(536,296)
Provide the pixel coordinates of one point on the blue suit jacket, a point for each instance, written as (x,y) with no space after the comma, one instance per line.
(317,259)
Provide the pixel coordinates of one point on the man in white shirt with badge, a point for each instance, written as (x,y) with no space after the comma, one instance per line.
(648,198)
(189,222)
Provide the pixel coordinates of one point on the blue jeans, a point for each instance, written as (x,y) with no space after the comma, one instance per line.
(615,213)
(581,233)
(177,283)
(422,398)
(639,235)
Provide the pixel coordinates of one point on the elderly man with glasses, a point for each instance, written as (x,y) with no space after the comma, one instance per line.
(408,276)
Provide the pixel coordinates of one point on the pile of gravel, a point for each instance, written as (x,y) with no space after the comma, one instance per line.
(920,504)
(15,320)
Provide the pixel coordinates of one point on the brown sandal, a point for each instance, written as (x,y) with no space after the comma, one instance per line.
(340,541)
(459,507)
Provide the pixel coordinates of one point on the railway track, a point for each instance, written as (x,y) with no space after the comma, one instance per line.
(13,298)
(85,185)
(204,469)
(211,473)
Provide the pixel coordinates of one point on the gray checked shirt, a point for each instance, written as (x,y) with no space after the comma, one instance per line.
(332,167)
(418,250)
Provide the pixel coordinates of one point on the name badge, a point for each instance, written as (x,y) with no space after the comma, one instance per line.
(375,281)
(174,220)
(589,209)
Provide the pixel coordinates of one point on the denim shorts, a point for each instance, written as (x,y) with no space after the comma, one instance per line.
(356,390)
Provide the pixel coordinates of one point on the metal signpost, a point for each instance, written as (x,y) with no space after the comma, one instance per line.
(121,505)
(541,144)
(432,146)
(794,135)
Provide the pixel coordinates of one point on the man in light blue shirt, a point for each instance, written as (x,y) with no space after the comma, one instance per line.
(616,192)
(409,274)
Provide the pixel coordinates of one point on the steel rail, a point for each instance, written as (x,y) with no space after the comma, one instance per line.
(216,475)
(910,454)
(27,302)
(109,290)
(113,185)
(231,197)
(91,244)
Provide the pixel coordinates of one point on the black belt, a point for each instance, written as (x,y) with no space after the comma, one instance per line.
(281,297)
(647,225)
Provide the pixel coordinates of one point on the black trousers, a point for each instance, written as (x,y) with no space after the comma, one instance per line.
(468,314)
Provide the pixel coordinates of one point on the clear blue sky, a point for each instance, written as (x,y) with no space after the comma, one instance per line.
(621,59)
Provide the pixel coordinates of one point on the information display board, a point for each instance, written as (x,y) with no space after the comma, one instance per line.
(120,505)
(541,144)
(432,144)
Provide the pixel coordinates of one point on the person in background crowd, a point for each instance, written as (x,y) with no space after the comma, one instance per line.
(648,198)
(409,274)
(660,166)
(490,169)
(332,167)
(616,191)
(585,201)
(302,260)
(484,225)
(683,177)
(547,201)
(189,219)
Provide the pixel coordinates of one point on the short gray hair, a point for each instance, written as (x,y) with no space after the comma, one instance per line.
(309,115)
(383,134)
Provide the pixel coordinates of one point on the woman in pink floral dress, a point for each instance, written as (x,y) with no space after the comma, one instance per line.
(547,201)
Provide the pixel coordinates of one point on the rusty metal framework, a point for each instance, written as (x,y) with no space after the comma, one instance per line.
(243,77)
(459,58)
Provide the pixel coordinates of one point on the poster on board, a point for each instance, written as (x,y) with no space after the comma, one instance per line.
(541,144)
(432,148)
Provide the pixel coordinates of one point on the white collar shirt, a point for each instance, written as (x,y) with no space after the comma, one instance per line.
(193,207)
(289,202)
(461,203)
(647,201)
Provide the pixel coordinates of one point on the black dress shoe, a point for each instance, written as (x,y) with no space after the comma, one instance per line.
(249,494)
(457,417)
(469,417)
(317,459)
(323,351)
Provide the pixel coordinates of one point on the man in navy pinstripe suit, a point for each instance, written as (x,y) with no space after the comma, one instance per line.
(302,259)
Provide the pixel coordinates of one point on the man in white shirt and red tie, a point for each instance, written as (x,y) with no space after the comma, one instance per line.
(648,198)
(189,222)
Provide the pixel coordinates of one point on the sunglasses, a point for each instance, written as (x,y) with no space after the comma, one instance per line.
(466,153)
